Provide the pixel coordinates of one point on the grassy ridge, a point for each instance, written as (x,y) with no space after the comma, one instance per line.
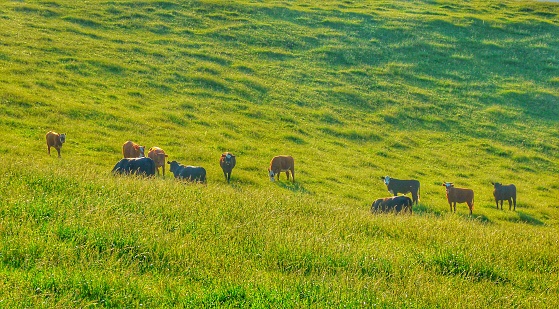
(433,90)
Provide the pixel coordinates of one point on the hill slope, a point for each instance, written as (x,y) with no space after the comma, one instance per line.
(432,90)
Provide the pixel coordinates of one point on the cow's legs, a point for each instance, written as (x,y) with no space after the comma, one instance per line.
(510,203)
(58,149)
(514,200)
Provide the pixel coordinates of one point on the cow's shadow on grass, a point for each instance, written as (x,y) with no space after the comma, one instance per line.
(424,210)
(421,209)
(292,186)
(525,218)
(478,217)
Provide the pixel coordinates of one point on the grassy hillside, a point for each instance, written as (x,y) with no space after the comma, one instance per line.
(354,90)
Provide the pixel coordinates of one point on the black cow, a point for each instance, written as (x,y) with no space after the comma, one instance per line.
(188,172)
(139,166)
(227,161)
(396,186)
(392,204)
(504,193)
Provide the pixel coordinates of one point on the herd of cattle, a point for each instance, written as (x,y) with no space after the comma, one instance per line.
(135,162)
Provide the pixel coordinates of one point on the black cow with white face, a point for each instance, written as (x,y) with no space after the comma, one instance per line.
(396,186)
(187,172)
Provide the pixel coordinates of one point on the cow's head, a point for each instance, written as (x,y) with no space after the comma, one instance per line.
(62,137)
(496,185)
(386,179)
(448,185)
(271,174)
(173,165)
(228,157)
(142,149)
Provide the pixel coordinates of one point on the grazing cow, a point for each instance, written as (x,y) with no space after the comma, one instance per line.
(504,193)
(282,164)
(132,150)
(188,172)
(396,186)
(459,195)
(158,156)
(55,140)
(392,204)
(138,166)
(227,162)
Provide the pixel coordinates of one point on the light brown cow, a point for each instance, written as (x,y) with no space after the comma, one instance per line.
(132,150)
(282,164)
(158,156)
(55,140)
(459,195)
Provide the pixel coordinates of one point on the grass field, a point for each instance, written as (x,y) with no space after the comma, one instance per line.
(466,92)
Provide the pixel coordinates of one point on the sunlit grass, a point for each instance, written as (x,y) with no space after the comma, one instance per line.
(436,91)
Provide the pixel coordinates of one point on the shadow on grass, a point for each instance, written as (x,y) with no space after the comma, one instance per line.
(525,218)
(424,210)
(293,186)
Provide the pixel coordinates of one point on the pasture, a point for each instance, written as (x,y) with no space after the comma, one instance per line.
(438,91)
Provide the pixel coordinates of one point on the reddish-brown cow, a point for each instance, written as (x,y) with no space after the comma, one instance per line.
(55,140)
(158,156)
(282,164)
(133,150)
(459,195)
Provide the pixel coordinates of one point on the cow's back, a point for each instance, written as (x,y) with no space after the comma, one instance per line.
(282,163)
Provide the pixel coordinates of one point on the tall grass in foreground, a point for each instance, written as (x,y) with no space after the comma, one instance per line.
(71,238)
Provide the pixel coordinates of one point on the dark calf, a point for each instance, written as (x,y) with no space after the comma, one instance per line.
(392,204)
(187,172)
(139,166)
(504,193)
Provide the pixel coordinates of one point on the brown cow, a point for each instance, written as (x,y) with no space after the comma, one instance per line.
(227,162)
(459,195)
(132,150)
(282,164)
(55,140)
(158,156)
(504,193)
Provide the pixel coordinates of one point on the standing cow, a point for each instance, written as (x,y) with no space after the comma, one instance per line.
(392,204)
(138,166)
(504,193)
(227,161)
(158,156)
(55,140)
(282,164)
(187,172)
(459,195)
(133,150)
(396,186)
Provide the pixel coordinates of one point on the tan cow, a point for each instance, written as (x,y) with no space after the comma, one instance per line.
(158,156)
(132,150)
(282,164)
(55,140)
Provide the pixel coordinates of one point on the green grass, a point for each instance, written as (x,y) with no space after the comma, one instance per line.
(432,90)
